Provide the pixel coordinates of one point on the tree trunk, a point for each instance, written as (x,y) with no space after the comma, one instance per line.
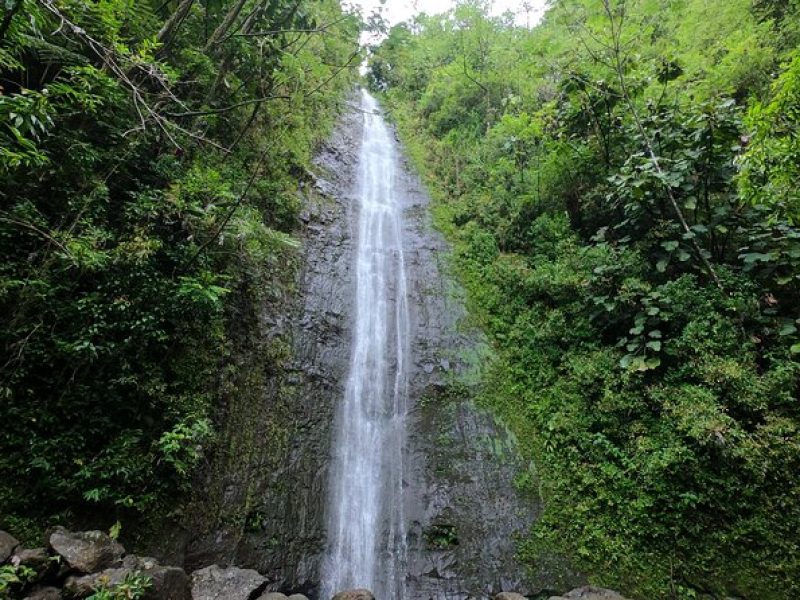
(172,24)
(223,27)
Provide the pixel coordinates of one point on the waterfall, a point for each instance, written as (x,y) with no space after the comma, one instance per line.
(366,524)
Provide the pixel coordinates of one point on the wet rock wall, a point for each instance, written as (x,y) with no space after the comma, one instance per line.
(262,504)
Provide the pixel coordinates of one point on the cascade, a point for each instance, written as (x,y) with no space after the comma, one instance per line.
(366,522)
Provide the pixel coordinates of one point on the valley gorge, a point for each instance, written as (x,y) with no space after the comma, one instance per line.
(461,513)
(323,300)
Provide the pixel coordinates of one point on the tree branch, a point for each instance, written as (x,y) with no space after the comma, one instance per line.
(224,109)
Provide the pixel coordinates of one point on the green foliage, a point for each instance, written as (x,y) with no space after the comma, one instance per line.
(441,536)
(13,577)
(148,194)
(771,165)
(622,212)
(26,119)
(180,447)
(133,587)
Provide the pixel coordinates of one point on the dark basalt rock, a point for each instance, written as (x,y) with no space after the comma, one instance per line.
(166,582)
(7,545)
(85,585)
(35,558)
(86,551)
(44,593)
(357,594)
(216,583)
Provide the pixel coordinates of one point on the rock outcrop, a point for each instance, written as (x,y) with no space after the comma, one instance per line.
(7,545)
(216,583)
(165,582)
(263,506)
(34,558)
(44,593)
(78,564)
(357,594)
(86,551)
(279,596)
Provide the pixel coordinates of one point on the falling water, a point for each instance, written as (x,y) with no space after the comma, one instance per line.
(366,528)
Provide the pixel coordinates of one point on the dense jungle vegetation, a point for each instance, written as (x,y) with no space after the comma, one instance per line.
(150,155)
(620,184)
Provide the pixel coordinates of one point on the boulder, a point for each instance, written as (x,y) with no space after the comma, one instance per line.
(216,583)
(81,586)
(358,594)
(297,597)
(166,583)
(86,551)
(44,593)
(36,558)
(589,593)
(509,596)
(272,596)
(7,544)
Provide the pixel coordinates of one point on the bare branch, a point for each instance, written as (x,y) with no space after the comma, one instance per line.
(41,232)
(227,23)
(166,33)
(322,29)
(112,61)
(216,111)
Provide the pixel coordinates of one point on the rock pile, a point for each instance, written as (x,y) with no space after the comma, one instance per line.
(79,564)
(76,565)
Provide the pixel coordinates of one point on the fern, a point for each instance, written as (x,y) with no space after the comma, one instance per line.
(8,61)
(51,54)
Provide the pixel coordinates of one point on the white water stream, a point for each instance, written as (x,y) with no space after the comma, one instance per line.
(366,524)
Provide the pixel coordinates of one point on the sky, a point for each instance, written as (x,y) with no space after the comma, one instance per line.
(400,10)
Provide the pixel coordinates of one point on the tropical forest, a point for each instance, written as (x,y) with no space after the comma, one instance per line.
(300,299)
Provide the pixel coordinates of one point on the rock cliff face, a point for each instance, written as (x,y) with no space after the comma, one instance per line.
(461,496)
(263,503)
(290,538)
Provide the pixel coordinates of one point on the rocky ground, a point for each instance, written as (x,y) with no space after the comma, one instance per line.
(90,564)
